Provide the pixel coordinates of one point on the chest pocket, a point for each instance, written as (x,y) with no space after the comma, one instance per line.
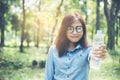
(80,60)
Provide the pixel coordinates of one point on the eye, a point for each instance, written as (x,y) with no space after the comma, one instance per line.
(79,28)
(70,29)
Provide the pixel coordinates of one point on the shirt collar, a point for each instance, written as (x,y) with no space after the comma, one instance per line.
(77,47)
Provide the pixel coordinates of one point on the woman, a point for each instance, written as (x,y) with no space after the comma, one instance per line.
(69,58)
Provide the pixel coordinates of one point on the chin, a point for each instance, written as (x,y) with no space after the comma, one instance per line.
(74,41)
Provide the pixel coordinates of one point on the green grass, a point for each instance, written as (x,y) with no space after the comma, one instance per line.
(110,68)
(22,74)
(27,72)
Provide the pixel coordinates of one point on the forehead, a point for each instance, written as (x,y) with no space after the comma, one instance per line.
(76,23)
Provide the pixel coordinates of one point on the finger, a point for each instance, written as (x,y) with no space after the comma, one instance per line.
(97,52)
(100,56)
(102,47)
(104,51)
(103,57)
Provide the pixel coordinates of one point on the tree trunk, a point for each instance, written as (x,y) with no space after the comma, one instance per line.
(111,17)
(86,16)
(54,27)
(37,38)
(97,15)
(23,27)
(3,10)
(111,35)
(2,30)
(56,20)
(117,31)
(2,35)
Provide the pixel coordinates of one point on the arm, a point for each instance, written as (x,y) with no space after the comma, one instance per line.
(49,68)
(89,53)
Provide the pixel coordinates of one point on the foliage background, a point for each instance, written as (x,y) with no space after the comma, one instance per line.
(29,27)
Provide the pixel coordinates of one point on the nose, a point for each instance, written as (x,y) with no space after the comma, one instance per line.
(74,31)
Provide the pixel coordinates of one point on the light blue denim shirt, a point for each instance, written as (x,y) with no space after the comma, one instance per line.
(74,65)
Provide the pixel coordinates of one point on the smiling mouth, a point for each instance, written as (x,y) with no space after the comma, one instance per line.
(74,36)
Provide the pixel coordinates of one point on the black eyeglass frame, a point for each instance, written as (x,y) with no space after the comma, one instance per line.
(77,28)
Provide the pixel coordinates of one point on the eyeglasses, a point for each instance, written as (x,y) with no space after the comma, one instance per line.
(77,28)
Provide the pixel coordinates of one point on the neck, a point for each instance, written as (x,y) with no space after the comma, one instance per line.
(71,46)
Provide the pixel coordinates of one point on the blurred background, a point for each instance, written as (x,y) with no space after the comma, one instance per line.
(29,27)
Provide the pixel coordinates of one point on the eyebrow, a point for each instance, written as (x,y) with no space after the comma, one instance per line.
(77,26)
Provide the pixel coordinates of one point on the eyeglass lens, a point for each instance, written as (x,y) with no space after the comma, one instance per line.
(78,29)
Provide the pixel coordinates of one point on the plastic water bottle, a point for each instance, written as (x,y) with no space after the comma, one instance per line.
(98,40)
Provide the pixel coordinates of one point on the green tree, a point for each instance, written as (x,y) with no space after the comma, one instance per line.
(23,26)
(97,14)
(111,12)
(16,23)
(5,6)
(3,10)
(117,30)
(56,19)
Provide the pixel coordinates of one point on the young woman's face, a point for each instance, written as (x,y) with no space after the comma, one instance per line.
(74,32)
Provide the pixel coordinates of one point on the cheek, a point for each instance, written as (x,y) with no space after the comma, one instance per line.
(67,35)
(81,35)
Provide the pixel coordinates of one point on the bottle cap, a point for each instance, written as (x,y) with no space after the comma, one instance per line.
(99,31)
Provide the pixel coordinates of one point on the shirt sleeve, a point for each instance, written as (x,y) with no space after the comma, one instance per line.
(49,67)
(89,53)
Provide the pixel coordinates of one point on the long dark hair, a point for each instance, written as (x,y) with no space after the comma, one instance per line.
(61,41)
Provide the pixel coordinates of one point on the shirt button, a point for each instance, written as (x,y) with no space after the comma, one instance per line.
(68,67)
(80,54)
(68,76)
(69,59)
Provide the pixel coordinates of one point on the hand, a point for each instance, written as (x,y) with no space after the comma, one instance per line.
(100,52)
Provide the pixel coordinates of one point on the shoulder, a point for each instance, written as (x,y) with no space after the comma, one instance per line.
(53,49)
(88,48)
